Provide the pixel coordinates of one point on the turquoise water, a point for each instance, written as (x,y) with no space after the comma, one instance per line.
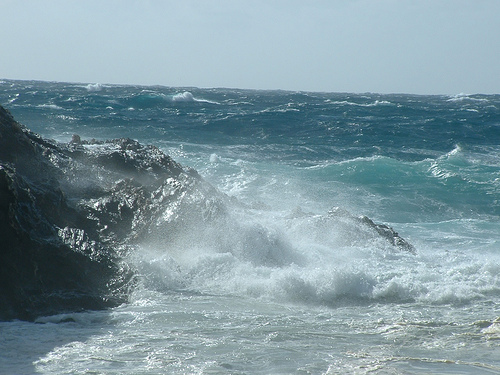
(332,300)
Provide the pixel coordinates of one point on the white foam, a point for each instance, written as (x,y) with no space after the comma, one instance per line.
(94,87)
(12,100)
(50,106)
(302,259)
(214,158)
(309,259)
(465,97)
(373,104)
(185,96)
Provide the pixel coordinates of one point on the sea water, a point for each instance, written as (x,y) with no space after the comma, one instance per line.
(331,301)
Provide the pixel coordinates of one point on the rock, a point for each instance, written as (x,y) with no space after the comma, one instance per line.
(70,212)
(75,139)
(41,271)
(340,228)
(362,225)
(389,234)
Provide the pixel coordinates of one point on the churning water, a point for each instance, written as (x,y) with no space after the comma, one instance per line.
(280,288)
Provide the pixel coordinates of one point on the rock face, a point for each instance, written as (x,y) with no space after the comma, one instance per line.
(70,212)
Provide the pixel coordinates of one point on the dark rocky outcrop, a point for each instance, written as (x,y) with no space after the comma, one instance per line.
(70,212)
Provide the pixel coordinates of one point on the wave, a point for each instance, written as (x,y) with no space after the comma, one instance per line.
(314,260)
(187,96)
(50,106)
(457,183)
(94,87)
(13,99)
(302,258)
(466,97)
(372,104)
(153,99)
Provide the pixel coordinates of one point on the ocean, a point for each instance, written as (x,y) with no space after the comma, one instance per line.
(283,293)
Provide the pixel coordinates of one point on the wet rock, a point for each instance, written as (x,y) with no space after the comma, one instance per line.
(69,213)
(363,224)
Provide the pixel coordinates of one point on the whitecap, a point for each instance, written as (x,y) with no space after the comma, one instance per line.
(187,96)
(67,118)
(456,150)
(49,106)
(374,104)
(214,158)
(462,97)
(94,87)
(12,100)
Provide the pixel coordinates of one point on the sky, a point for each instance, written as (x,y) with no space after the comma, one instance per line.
(382,46)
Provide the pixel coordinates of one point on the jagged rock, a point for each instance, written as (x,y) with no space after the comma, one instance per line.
(341,228)
(70,212)
(362,225)
(40,273)
(389,234)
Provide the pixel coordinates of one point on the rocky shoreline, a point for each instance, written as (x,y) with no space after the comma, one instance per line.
(70,213)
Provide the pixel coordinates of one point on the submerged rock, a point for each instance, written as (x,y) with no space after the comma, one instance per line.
(340,228)
(364,224)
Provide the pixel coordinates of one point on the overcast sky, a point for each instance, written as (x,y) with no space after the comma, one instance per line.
(408,46)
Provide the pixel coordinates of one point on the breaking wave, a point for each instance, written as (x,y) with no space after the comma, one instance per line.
(187,96)
(94,87)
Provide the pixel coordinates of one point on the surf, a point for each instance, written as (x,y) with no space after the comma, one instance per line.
(280,232)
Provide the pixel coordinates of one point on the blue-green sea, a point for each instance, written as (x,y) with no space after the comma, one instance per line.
(333,302)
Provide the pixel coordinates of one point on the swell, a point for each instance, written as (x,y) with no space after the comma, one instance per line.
(458,184)
(406,127)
